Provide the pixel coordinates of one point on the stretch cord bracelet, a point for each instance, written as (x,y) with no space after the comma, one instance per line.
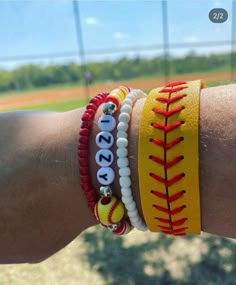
(123,162)
(83,149)
(168,160)
(109,210)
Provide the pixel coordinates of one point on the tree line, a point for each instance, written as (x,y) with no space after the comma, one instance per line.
(33,76)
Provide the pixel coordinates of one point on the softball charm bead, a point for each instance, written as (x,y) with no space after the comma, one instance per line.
(109,210)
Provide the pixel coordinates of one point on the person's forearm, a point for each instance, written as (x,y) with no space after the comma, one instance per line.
(42,207)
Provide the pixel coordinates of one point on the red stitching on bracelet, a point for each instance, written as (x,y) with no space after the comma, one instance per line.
(169,225)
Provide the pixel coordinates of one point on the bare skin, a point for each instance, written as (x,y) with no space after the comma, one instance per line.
(42,207)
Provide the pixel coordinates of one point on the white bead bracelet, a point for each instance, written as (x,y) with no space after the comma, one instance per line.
(123,162)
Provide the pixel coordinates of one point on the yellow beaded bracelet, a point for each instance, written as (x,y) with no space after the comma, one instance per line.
(168,158)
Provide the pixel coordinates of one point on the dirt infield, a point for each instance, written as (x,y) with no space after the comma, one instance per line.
(47,96)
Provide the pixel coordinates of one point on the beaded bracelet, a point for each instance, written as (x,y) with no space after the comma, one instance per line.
(109,210)
(83,149)
(123,163)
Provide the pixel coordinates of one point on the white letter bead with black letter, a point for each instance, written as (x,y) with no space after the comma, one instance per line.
(104,140)
(105,175)
(104,157)
(106,123)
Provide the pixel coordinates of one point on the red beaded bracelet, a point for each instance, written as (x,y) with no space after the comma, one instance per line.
(83,149)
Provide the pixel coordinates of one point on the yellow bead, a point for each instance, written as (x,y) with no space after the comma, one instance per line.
(125,90)
(109,210)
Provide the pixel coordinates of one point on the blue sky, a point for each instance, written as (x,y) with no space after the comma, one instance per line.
(37,27)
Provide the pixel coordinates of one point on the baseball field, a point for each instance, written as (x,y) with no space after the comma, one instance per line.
(67,98)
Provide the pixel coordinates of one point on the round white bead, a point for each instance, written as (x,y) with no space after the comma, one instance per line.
(135,220)
(131,206)
(124,171)
(127,101)
(126,108)
(125,181)
(122,152)
(121,142)
(122,162)
(105,175)
(124,117)
(104,157)
(132,213)
(127,200)
(106,123)
(104,140)
(122,126)
(131,96)
(126,191)
(121,134)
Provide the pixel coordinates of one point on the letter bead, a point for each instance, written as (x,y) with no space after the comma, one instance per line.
(104,140)
(104,157)
(105,175)
(106,123)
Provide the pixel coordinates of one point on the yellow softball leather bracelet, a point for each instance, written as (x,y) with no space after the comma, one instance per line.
(168,161)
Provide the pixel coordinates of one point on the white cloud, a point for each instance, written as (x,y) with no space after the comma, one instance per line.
(191,39)
(91,21)
(120,36)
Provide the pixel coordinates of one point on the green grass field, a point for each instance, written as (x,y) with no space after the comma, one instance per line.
(63,106)
(60,106)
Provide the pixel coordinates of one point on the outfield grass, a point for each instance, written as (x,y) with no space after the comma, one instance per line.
(66,105)
(97,82)
(60,106)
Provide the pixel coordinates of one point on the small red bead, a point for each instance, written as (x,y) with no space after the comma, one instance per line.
(92,196)
(91,112)
(91,106)
(91,205)
(84,132)
(83,146)
(84,178)
(83,153)
(100,98)
(86,187)
(83,161)
(86,117)
(84,170)
(86,124)
(94,101)
(84,139)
